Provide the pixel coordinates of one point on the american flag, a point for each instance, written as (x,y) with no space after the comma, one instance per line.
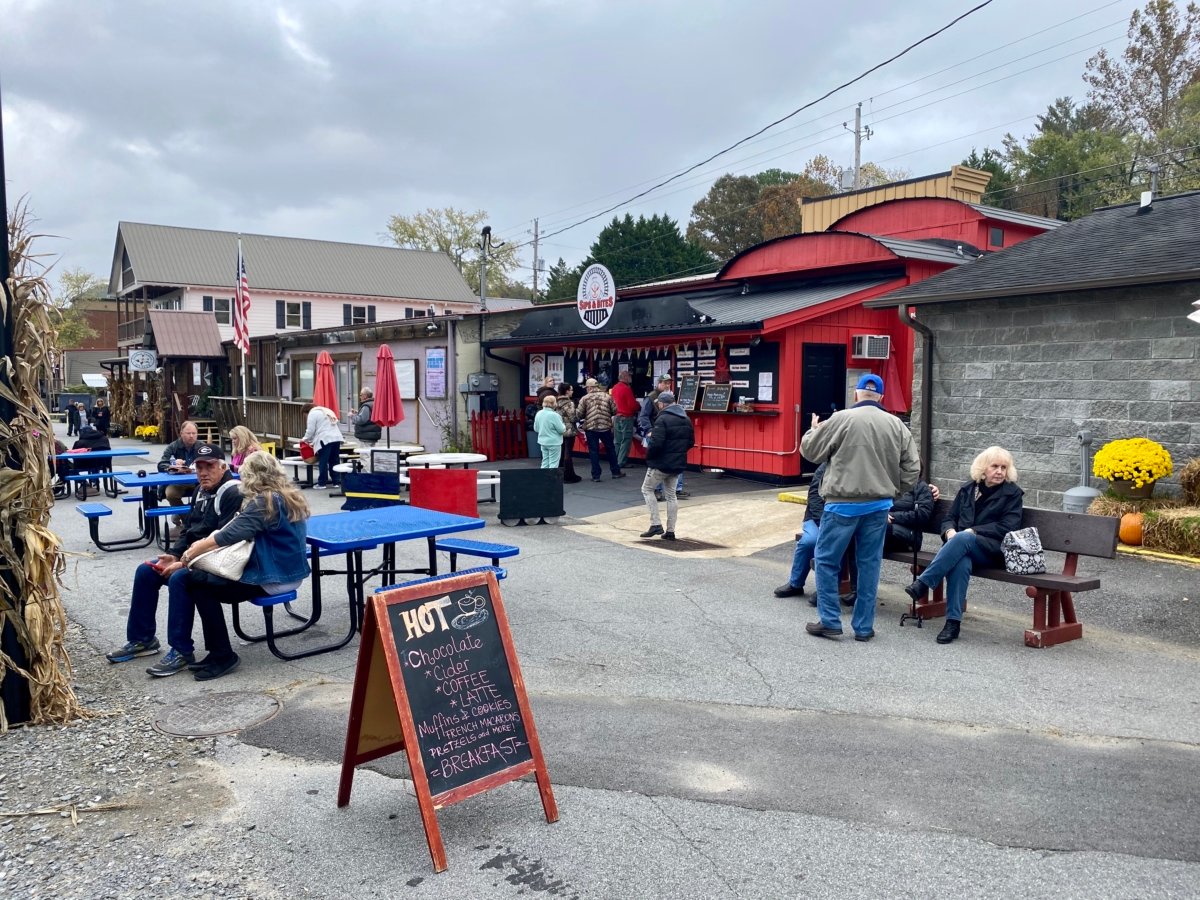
(241,307)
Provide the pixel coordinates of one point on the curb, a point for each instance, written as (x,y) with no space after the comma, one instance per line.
(1158,554)
(794,497)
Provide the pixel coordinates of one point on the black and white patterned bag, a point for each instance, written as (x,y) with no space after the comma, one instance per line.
(1023,554)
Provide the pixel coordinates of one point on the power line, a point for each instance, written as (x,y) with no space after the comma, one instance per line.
(794,112)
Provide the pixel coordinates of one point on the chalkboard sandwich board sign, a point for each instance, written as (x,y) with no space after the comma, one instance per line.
(688,386)
(438,679)
(716,398)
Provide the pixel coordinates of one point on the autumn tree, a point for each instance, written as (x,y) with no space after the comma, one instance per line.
(455,232)
(75,285)
(726,220)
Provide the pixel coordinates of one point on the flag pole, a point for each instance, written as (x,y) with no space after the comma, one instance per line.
(244,324)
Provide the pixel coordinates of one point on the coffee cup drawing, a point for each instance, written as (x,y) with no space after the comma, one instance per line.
(474,612)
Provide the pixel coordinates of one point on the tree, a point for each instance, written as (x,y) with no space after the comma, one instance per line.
(774,177)
(75,285)
(647,250)
(456,233)
(726,220)
(562,283)
(781,205)
(1070,166)
(1141,90)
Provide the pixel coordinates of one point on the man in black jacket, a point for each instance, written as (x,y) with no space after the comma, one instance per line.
(666,456)
(217,500)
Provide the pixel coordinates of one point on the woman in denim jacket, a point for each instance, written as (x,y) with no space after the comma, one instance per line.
(275,516)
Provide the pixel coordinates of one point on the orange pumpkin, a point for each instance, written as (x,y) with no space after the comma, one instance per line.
(1131,529)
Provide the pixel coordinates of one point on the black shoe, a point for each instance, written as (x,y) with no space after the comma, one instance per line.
(574,480)
(668,535)
(848,599)
(917,590)
(682,495)
(597,480)
(786,590)
(655,531)
(949,631)
(217,669)
(818,630)
(863,638)
(618,475)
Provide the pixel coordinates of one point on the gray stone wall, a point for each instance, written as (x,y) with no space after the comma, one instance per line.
(1029,373)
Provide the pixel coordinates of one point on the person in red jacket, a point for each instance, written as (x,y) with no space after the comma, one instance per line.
(626,417)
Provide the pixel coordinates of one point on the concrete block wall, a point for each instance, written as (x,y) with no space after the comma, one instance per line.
(1029,373)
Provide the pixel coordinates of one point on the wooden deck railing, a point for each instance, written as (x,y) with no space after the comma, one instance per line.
(268,417)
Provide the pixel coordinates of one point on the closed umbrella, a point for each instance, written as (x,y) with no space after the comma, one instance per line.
(325,391)
(388,410)
(895,397)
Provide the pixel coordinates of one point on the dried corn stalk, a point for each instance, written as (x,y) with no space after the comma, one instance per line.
(35,609)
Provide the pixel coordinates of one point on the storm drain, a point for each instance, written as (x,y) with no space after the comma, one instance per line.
(212,714)
(683,545)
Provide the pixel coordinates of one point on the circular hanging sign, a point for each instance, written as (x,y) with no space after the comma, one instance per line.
(597,296)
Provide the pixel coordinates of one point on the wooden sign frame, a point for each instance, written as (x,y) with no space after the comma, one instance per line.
(713,395)
(381,717)
(689,387)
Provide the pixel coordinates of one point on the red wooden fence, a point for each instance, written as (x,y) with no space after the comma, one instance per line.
(499,435)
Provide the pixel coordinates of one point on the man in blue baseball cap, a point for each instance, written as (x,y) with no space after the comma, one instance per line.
(871,458)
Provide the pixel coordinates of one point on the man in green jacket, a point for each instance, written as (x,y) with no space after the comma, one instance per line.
(871,458)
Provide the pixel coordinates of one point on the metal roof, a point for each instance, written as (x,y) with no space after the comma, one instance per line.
(166,255)
(1017,218)
(931,249)
(1112,247)
(757,307)
(186,335)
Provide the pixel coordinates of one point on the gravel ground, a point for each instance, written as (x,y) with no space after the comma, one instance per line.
(131,812)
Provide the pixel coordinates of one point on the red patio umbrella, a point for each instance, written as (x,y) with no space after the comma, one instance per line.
(388,410)
(895,393)
(325,390)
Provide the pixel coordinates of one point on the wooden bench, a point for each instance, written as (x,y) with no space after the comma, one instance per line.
(1054,621)
(456,546)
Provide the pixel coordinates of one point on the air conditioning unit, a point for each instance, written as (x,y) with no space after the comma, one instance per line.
(281,368)
(871,346)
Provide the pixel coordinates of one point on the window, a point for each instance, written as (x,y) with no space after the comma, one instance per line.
(408,313)
(304,378)
(290,314)
(219,307)
(292,318)
(357,315)
(996,237)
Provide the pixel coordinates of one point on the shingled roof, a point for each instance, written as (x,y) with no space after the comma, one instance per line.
(168,256)
(1113,247)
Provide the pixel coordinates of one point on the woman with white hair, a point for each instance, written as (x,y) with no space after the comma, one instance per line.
(985,509)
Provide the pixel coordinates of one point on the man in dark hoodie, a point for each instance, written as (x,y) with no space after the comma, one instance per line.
(666,456)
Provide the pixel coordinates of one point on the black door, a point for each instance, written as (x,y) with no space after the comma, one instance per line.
(822,385)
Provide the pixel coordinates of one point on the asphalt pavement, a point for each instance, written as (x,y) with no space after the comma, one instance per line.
(701,744)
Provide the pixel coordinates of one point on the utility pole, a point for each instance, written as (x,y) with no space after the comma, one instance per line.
(536,261)
(860,134)
(485,241)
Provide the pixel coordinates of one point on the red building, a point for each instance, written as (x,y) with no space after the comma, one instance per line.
(782,324)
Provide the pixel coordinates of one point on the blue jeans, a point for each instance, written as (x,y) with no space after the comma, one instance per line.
(143,607)
(803,557)
(327,458)
(955,562)
(833,537)
(594,438)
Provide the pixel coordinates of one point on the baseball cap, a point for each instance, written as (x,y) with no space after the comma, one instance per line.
(591,382)
(209,452)
(666,397)
(870,383)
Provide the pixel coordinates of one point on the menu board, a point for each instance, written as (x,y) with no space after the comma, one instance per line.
(459,687)
(716,398)
(688,386)
(437,679)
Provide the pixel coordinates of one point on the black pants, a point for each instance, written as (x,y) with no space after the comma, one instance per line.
(208,592)
(566,462)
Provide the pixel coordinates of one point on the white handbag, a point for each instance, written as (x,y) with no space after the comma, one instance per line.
(226,562)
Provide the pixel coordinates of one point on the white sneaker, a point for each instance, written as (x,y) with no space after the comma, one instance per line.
(320,487)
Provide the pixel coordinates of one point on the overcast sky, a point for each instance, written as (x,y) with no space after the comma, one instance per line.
(321,120)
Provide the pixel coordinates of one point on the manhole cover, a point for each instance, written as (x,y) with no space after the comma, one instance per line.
(684,545)
(211,714)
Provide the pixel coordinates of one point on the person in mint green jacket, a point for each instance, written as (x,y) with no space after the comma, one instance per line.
(550,430)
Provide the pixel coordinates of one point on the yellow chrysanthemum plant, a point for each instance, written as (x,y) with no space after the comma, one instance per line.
(1137,460)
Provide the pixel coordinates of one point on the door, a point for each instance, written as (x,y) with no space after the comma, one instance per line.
(345,373)
(822,386)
